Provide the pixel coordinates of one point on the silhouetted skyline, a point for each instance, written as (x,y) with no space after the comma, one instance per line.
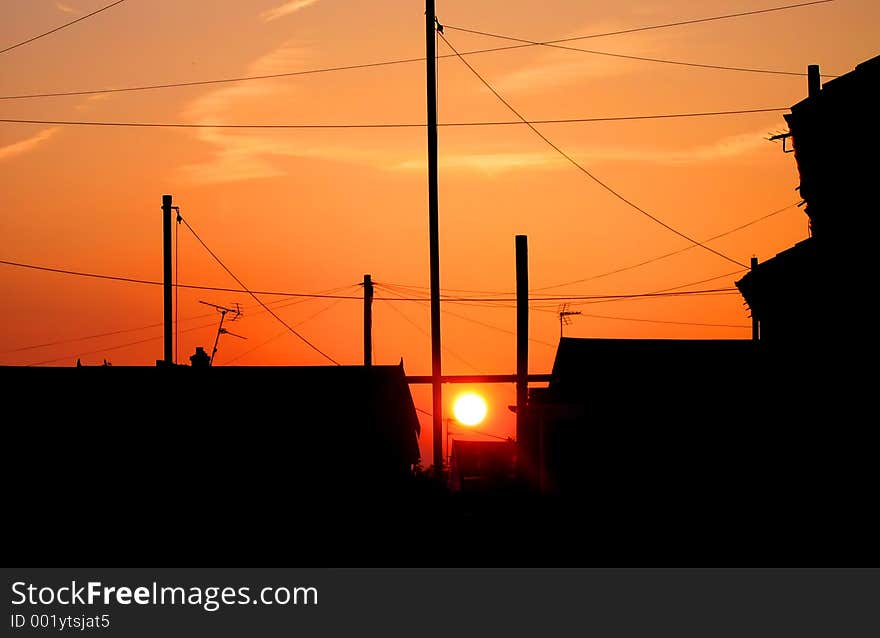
(310,211)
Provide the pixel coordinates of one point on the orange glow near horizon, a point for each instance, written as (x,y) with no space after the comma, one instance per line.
(312,210)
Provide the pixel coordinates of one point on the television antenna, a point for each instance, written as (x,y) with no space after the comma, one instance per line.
(565,316)
(223,310)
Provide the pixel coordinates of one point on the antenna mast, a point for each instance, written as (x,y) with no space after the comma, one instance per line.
(223,310)
(565,317)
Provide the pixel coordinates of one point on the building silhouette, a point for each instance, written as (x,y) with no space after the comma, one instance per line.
(210,462)
(811,299)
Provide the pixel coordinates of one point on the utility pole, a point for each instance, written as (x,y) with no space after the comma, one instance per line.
(434,234)
(756,325)
(368,321)
(166,262)
(522,343)
(814,80)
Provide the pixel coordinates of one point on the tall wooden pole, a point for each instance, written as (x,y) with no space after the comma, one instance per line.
(814,80)
(434,235)
(522,341)
(166,263)
(756,325)
(368,321)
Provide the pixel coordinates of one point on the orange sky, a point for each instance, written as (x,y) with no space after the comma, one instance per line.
(312,210)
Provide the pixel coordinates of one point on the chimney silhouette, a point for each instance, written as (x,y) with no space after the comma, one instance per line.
(200,359)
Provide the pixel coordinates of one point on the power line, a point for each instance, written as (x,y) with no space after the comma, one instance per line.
(581,168)
(556,43)
(282,333)
(703,281)
(390,125)
(148,326)
(665,25)
(496,328)
(117,347)
(63,26)
(675,290)
(641,58)
(411,288)
(428,334)
(333,296)
(256,298)
(661,321)
(475,321)
(62,271)
(474,432)
(667,255)
(171,85)
(94,336)
(244,78)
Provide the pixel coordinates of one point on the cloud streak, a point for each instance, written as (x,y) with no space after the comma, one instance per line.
(65,8)
(246,155)
(292,6)
(26,145)
(728,148)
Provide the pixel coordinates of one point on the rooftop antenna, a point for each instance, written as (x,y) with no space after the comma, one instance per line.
(565,316)
(223,310)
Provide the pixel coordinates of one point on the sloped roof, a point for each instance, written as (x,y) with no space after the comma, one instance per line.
(345,414)
(579,358)
(793,271)
(476,458)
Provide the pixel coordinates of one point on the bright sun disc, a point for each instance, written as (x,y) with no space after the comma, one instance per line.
(470,408)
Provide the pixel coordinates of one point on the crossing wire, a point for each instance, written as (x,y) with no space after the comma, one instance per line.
(666,25)
(170,85)
(388,125)
(355,297)
(256,298)
(581,168)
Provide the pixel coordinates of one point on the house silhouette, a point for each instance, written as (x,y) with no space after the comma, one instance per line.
(811,299)
(210,462)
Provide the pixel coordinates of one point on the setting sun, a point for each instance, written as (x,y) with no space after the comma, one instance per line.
(470,409)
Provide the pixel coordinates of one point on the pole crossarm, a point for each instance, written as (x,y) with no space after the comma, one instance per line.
(476,378)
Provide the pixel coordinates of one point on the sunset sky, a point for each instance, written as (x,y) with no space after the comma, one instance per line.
(313,210)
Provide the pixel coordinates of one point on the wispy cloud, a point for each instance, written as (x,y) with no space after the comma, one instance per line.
(243,155)
(66,8)
(727,148)
(488,163)
(552,67)
(91,100)
(26,145)
(292,6)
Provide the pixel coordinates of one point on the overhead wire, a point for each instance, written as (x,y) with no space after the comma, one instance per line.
(411,288)
(426,333)
(256,298)
(638,58)
(667,255)
(170,85)
(666,25)
(282,333)
(286,303)
(584,170)
(662,321)
(510,306)
(115,347)
(63,26)
(453,314)
(352,297)
(149,282)
(387,125)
